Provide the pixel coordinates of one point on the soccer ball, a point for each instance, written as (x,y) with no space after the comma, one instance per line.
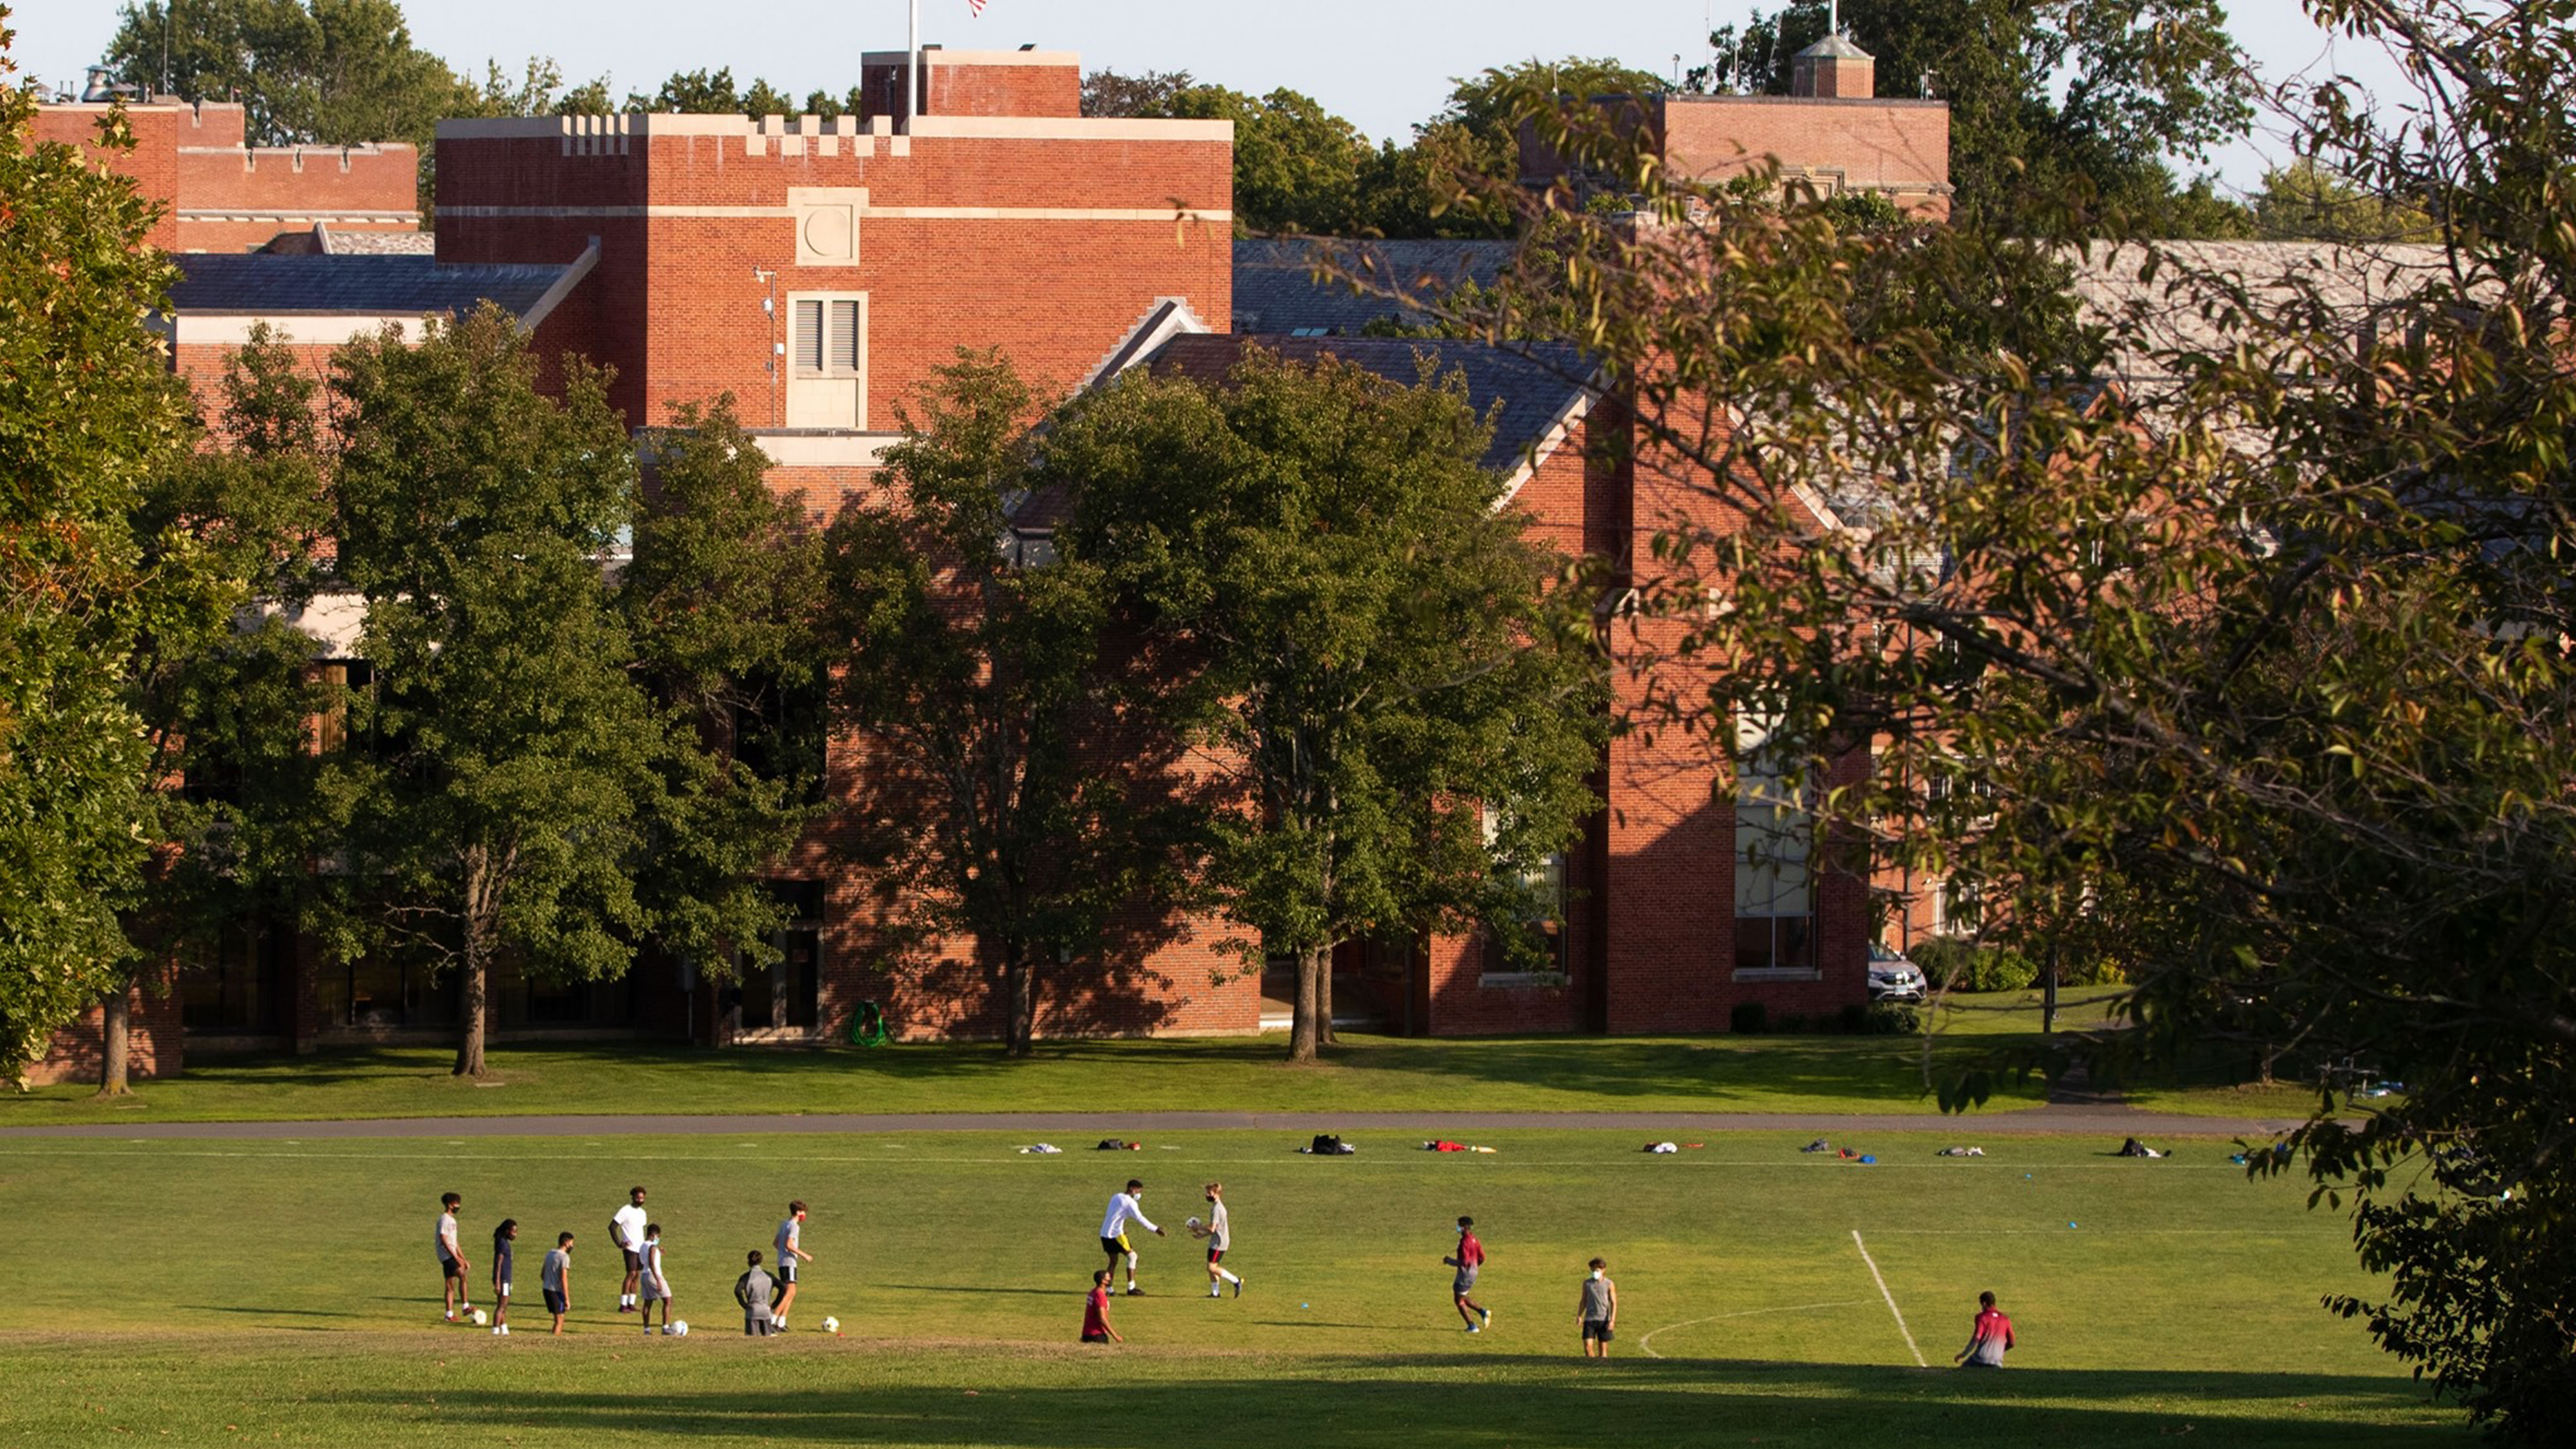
(831,1325)
(482,1319)
(1192,1223)
(679,1329)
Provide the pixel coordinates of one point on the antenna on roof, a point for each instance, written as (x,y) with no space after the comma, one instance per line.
(1833,17)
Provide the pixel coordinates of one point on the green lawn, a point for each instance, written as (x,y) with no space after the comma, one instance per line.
(1809,1074)
(278,1292)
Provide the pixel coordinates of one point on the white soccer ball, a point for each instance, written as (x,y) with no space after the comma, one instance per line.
(1191,1223)
(679,1329)
(482,1319)
(831,1325)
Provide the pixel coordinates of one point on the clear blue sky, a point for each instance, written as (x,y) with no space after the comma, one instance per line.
(1383,63)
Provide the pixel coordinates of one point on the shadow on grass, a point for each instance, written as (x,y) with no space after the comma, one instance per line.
(1449,1399)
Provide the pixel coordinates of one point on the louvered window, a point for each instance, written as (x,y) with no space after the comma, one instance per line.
(827,353)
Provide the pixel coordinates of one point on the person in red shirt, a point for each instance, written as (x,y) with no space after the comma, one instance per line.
(1988,1340)
(1095,1312)
(1467,1259)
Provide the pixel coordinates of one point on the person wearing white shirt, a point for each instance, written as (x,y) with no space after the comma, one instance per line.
(451,1259)
(626,1229)
(655,1284)
(1220,1236)
(1124,1209)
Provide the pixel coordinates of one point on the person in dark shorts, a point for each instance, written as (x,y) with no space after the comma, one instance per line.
(554,1278)
(1095,1311)
(790,1242)
(1125,1208)
(626,1230)
(1597,1312)
(1988,1338)
(504,1239)
(1469,1257)
(755,1290)
(451,1260)
(1220,1236)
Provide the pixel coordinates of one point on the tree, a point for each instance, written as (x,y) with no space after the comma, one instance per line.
(2151,80)
(2243,654)
(512,785)
(2305,202)
(1460,173)
(1295,164)
(1407,712)
(972,679)
(88,415)
(310,72)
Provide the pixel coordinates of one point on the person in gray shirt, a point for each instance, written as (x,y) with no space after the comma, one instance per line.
(554,1278)
(1597,1314)
(754,1290)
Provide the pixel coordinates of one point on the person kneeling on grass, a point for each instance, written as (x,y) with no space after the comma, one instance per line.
(657,1288)
(1597,1313)
(1988,1339)
(754,1290)
(1095,1311)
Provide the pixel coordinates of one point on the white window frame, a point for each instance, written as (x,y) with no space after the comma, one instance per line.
(843,363)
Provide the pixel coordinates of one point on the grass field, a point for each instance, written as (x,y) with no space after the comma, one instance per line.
(279,1292)
(1808,1074)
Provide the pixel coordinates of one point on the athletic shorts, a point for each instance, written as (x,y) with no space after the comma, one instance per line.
(787,1273)
(1216,1255)
(1594,1329)
(1116,1247)
(655,1292)
(634,1260)
(1095,1338)
(557,1302)
(501,1289)
(1466,1281)
(450,1268)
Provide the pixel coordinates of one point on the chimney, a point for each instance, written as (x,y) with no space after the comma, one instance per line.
(1833,69)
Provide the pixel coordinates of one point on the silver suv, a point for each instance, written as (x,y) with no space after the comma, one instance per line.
(1892,977)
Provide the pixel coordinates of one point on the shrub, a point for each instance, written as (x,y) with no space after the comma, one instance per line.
(1891,1018)
(1958,962)
(1749,1018)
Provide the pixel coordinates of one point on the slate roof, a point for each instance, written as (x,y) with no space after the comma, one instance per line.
(1275,291)
(1535,384)
(254,284)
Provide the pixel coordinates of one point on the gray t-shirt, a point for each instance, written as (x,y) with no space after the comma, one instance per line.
(1596,1300)
(550,1275)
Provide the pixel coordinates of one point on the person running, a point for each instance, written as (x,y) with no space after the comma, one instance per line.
(505,1240)
(626,1230)
(1988,1338)
(1123,1208)
(451,1260)
(1095,1312)
(1469,1257)
(754,1290)
(554,1279)
(1219,1238)
(791,1251)
(1597,1314)
(656,1286)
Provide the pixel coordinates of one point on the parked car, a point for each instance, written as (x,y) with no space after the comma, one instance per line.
(1892,977)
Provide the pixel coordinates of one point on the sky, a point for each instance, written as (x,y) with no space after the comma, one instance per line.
(1383,65)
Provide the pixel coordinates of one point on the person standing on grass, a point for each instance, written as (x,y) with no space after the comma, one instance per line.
(626,1230)
(1988,1338)
(554,1279)
(754,1290)
(1219,1238)
(1095,1312)
(451,1259)
(791,1251)
(504,1242)
(1597,1314)
(1123,1208)
(1469,1257)
(657,1287)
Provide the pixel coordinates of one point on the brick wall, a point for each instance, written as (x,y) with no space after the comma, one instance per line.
(1897,147)
(975,83)
(153,163)
(233,199)
(155,1045)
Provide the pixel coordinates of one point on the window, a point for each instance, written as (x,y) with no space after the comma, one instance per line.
(1534,939)
(786,998)
(241,987)
(389,993)
(827,352)
(1775,829)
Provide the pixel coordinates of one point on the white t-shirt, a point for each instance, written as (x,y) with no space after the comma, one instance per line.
(653,1282)
(447,1239)
(630,1227)
(787,1241)
(1122,1209)
(1219,1237)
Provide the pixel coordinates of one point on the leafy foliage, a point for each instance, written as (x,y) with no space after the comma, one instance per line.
(1407,713)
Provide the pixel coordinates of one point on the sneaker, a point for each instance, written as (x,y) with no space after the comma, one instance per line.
(1238,1285)
(1211,1290)
(502,1329)
(1488,1316)
(1135,1292)
(1471,1328)
(451,1315)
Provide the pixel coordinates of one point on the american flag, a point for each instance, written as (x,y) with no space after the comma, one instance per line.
(974,7)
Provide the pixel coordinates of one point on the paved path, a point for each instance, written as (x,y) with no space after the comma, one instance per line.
(2107,1121)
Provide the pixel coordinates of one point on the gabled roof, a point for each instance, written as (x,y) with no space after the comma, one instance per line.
(256,284)
(1276,293)
(1533,390)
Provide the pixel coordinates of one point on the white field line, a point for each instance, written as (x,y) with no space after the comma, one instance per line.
(1648,1342)
(1891,1299)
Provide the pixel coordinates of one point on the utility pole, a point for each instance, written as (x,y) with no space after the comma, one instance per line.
(912,75)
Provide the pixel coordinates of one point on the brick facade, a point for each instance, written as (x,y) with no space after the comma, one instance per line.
(218,195)
(155,1045)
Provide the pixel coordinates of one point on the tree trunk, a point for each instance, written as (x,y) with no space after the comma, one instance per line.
(116,1038)
(478,980)
(1302,1038)
(1020,1032)
(1324,1001)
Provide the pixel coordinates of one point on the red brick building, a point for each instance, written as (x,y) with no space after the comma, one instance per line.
(818,270)
(219,194)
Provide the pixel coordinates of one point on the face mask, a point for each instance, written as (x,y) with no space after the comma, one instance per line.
(1597,1273)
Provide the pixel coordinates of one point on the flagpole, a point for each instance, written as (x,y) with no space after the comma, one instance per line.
(912,77)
